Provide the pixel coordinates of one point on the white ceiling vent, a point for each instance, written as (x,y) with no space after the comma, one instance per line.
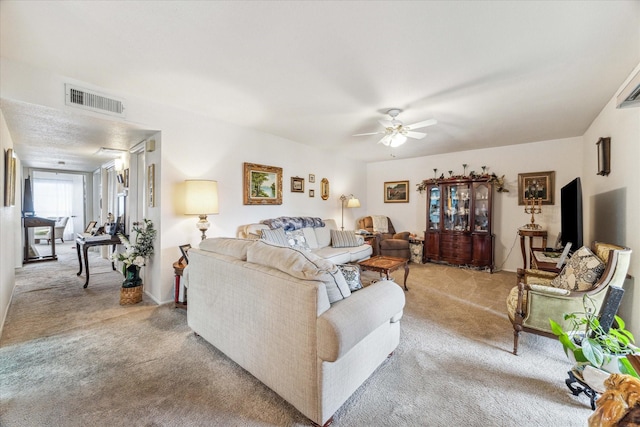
(630,95)
(93,101)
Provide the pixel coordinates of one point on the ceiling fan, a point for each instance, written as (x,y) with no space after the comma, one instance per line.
(395,133)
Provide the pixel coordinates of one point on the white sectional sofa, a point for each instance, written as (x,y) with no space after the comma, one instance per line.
(318,239)
(269,309)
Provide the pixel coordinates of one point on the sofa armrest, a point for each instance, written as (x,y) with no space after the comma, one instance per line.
(350,320)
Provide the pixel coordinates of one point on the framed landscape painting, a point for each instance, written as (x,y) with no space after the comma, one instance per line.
(396,192)
(262,184)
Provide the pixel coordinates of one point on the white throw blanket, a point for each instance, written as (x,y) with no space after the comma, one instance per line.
(380,224)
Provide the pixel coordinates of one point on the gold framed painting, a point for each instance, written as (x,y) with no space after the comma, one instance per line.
(262,184)
(396,192)
(151,182)
(538,185)
(297,184)
(9,178)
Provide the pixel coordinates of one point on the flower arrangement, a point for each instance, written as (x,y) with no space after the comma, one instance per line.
(137,253)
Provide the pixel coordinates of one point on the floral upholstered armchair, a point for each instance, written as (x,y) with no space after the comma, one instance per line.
(541,295)
(387,242)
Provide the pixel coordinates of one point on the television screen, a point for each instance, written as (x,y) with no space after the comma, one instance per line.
(571,214)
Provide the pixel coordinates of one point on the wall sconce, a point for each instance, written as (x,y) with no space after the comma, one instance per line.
(353,202)
(201,198)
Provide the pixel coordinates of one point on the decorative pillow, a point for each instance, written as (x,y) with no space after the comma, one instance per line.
(275,236)
(297,240)
(581,272)
(344,239)
(351,274)
(301,265)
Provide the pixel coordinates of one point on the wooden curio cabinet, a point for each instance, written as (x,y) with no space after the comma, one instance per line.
(459,222)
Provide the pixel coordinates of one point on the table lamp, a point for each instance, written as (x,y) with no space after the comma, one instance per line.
(353,202)
(201,198)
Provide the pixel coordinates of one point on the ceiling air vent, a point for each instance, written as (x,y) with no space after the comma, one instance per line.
(93,101)
(630,95)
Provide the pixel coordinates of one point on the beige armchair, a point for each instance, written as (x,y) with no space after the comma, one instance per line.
(537,298)
(389,243)
(58,230)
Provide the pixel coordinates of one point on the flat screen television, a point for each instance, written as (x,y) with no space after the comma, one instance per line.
(571,214)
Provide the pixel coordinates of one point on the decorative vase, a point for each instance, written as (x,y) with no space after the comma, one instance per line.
(131,290)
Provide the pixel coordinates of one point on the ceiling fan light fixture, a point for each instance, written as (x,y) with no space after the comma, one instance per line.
(397,140)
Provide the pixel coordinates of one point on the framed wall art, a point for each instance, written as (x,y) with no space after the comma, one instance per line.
(312,193)
(297,184)
(262,184)
(537,185)
(604,156)
(184,249)
(396,192)
(151,183)
(312,178)
(9,178)
(324,189)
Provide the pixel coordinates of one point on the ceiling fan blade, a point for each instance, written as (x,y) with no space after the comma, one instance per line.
(422,124)
(370,133)
(415,135)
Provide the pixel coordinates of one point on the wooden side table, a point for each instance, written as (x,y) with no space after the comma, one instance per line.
(386,265)
(178,268)
(530,233)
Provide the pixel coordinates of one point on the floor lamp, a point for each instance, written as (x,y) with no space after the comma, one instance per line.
(201,198)
(352,203)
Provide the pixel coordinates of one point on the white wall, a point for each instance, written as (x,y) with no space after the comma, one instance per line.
(10,227)
(621,188)
(508,161)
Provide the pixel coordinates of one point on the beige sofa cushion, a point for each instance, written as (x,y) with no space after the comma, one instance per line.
(302,265)
(236,248)
(350,320)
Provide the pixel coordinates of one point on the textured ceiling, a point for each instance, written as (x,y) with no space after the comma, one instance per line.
(491,73)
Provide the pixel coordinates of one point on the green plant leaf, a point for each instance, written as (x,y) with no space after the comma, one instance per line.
(619,321)
(556,328)
(592,351)
(579,355)
(626,368)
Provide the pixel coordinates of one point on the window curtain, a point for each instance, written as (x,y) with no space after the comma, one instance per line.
(54,198)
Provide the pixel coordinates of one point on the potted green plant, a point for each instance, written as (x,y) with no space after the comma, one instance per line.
(588,343)
(133,258)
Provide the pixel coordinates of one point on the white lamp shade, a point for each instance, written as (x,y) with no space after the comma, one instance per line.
(397,140)
(200,197)
(353,203)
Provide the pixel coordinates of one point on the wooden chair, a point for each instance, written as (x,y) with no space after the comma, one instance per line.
(534,300)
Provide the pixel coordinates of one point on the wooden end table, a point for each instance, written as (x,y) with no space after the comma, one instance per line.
(386,265)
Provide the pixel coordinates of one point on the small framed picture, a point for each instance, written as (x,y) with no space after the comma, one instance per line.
(90,227)
(126,178)
(297,184)
(185,249)
(396,192)
(312,193)
(312,178)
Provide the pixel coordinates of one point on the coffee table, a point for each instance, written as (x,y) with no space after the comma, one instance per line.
(386,265)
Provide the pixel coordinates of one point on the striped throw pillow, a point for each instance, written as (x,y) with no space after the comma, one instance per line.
(344,239)
(275,236)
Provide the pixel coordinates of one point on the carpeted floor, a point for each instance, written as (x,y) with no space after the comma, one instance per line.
(74,357)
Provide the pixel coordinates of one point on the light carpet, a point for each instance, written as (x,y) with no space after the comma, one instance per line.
(74,357)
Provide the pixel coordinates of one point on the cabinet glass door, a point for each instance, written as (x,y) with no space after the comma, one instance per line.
(481,209)
(434,208)
(456,211)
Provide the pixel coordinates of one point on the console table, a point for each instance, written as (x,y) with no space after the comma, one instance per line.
(82,246)
(34,221)
(530,233)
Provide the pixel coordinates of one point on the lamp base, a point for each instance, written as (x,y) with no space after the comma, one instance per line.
(203,225)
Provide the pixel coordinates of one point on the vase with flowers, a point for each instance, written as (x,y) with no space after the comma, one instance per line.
(133,258)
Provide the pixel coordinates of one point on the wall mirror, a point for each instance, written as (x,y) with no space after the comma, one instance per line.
(324,188)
